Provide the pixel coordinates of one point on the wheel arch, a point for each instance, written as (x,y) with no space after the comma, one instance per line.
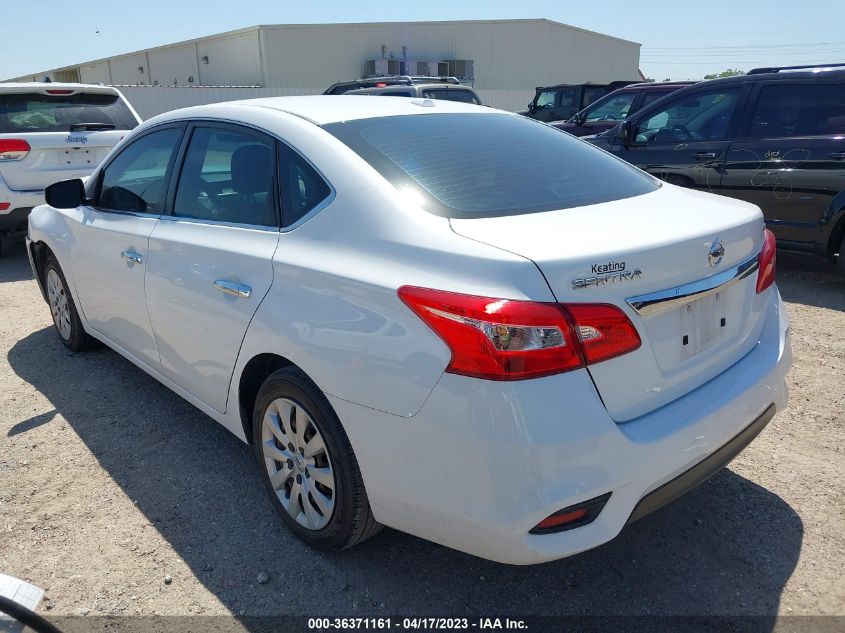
(837,234)
(254,373)
(835,218)
(39,251)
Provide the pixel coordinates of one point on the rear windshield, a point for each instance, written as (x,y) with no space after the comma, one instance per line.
(489,165)
(57,113)
(451,94)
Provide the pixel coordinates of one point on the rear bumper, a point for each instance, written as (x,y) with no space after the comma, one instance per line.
(14,220)
(483,462)
(20,203)
(703,470)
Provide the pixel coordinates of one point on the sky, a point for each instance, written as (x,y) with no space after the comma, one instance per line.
(680,39)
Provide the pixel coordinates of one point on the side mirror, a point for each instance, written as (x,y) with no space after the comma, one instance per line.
(626,133)
(66,194)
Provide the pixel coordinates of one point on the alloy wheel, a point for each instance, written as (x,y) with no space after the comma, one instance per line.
(298,463)
(57,297)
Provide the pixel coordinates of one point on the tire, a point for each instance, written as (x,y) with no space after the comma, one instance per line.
(65,317)
(328,480)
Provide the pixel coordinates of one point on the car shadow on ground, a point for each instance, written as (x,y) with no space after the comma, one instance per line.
(728,547)
(14,266)
(811,280)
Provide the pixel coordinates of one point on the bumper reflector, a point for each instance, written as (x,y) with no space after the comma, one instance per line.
(572,516)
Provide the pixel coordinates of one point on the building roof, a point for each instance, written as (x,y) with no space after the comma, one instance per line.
(329,25)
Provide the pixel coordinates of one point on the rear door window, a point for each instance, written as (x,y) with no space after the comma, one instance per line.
(227,176)
(33,112)
(653,95)
(801,109)
(569,98)
(488,165)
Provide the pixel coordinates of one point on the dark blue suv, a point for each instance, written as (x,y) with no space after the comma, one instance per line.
(774,137)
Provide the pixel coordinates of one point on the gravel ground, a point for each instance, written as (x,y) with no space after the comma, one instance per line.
(119,498)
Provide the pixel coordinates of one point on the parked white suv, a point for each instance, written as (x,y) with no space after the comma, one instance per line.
(51,132)
(444,318)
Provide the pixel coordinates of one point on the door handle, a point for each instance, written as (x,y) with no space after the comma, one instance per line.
(838,155)
(704,155)
(232,288)
(132,257)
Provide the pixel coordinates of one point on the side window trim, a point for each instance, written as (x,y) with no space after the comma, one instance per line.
(214,124)
(168,174)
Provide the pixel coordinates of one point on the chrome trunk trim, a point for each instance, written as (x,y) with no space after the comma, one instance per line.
(654,302)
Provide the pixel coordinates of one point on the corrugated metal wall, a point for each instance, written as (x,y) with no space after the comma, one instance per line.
(130,69)
(96,73)
(233,60)
(174,66)
(511,57)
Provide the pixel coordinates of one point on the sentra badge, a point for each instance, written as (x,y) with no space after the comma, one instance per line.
(607,273)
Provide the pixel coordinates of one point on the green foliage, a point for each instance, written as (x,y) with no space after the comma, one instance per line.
(730,72)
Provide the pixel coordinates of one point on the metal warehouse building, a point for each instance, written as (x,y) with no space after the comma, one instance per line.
(503,59)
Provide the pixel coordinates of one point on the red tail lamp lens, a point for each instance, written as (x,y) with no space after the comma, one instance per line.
(768,255)
(503,339)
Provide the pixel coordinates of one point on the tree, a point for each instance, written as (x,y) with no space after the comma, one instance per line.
(730,72)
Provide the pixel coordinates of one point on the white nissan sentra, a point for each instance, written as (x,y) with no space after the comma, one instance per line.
(454,321)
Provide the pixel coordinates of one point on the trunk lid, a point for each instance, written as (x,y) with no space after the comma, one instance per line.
(646,255)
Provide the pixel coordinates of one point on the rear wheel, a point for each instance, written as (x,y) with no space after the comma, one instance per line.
(65,317)
(307,465)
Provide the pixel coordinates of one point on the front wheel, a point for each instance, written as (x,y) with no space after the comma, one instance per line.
(307,465)
(65,317)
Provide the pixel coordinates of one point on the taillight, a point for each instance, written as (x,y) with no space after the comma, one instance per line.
(503,339)
(56,91)
(766,273)
(605,331)
(13,149)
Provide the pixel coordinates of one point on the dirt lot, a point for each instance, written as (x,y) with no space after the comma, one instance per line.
(110,483)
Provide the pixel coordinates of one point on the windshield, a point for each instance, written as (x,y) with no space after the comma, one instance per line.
(611,108)
(488,165)
(33,112)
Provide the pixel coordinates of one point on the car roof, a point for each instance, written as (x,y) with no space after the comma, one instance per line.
(597,84)
(653,85)
(325,109)
(43,87)
(785,75)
